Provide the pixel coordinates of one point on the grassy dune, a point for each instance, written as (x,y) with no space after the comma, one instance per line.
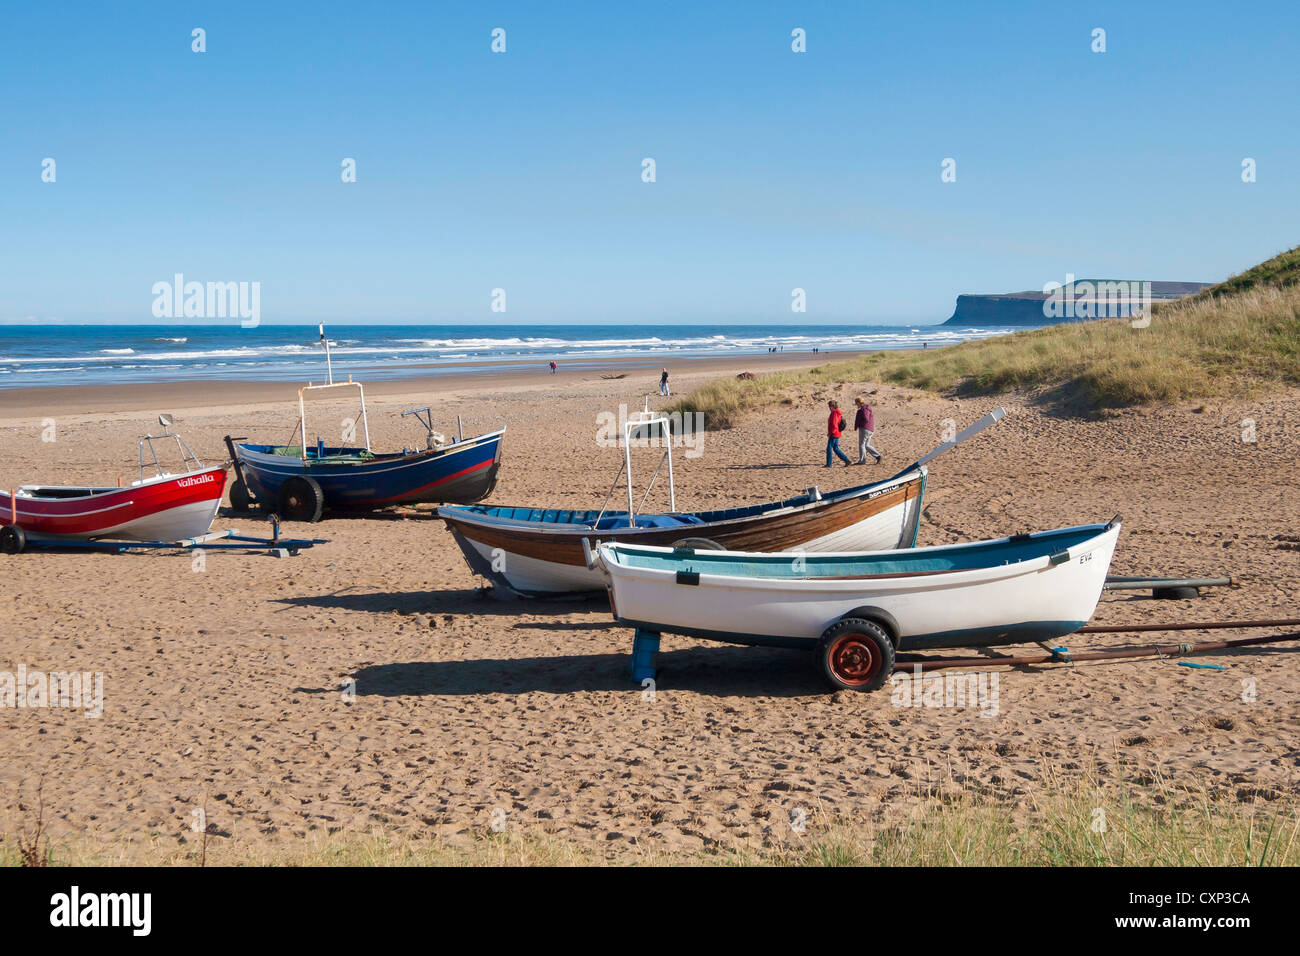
(1239,337)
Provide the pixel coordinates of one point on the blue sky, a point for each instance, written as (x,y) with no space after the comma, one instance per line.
(522,170)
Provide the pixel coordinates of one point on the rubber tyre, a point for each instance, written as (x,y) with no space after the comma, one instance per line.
(698,544)
(240,499)
(855,654)
(12,539)
(301,499)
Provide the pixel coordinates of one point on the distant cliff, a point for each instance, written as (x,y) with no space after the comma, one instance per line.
(1030,308)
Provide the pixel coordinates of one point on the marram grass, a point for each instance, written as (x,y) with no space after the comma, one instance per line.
(1147,821)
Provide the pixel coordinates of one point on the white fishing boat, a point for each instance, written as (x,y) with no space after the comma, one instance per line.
(540,552)
(855,610)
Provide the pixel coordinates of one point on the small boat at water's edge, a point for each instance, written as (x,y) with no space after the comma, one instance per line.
(856,610)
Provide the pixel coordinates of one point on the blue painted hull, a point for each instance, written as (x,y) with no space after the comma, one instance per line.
(353,480)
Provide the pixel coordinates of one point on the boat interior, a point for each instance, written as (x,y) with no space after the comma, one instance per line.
(59,493)
(319,453)
(611,520)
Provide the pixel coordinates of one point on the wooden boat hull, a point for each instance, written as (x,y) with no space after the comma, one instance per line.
(464,472)
(1006,591)
(167,508)
(539,553)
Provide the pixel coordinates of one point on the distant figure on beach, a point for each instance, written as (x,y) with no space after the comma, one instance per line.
(834,429)
(663,383)
(865,423)
(553,368)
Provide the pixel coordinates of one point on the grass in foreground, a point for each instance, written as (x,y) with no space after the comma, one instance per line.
(1239,337)
(1146,821)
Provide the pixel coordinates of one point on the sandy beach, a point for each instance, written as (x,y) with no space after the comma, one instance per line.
(224,684)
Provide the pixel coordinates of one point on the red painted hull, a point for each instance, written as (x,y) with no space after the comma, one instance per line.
(170,508)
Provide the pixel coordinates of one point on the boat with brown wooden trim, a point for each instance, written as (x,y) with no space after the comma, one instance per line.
(540,552)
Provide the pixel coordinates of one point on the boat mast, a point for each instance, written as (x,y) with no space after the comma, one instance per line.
(329,365)
(302,407)
(647,419)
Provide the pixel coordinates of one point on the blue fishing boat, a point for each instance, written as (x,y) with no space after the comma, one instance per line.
(302,481)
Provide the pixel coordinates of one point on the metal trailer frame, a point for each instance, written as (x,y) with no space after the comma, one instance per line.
(229,540)
(302,409)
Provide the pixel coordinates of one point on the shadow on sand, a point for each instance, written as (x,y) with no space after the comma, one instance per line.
(723,671)
(463,601)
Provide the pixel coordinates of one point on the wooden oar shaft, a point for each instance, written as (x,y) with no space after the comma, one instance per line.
(970,431)
(1155,650)
(1187,626)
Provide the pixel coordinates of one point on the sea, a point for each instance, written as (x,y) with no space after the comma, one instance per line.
(34,355)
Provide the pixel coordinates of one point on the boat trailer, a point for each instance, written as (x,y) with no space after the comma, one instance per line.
(1168,589)
(1062,655)
(229,540)
(645,648)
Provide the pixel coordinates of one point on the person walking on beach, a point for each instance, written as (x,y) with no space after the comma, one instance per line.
(834,429)
(553,367)
(865,423)
(663,384)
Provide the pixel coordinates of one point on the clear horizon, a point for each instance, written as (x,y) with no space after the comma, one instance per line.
(608,323)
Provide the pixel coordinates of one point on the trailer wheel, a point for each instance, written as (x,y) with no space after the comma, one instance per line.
(699,544)
(12,539)
(301,499)
(240,499)
(855,654)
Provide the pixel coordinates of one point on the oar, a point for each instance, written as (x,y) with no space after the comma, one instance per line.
(970,431)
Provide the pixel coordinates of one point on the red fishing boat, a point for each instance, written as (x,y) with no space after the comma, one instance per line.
(162,507)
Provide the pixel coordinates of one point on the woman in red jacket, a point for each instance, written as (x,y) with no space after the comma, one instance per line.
(834,429)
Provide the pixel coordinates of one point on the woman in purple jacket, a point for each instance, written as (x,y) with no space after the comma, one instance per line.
(865,423)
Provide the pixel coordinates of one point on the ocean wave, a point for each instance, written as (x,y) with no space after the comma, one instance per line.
(487,347)
(385,353)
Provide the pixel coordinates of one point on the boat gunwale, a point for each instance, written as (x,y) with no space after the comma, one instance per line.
(386,461)
(255,447)
(93,492)
(464,514)
(845,582)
